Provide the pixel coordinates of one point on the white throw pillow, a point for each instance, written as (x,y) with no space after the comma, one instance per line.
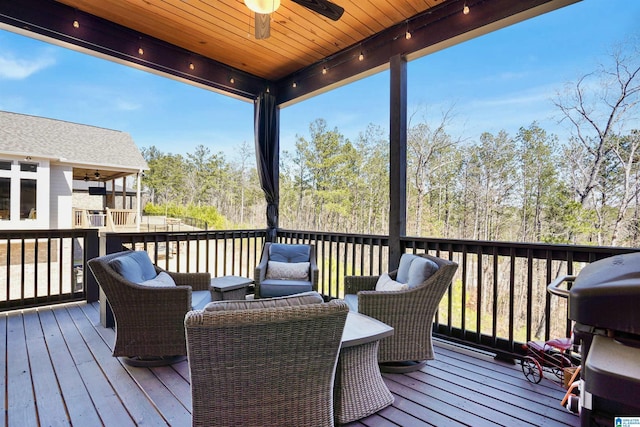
(288,270)
(386,283)
(162,280)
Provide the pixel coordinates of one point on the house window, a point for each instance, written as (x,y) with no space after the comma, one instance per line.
(5,198)
(28,167)
(28,199)
(5,165)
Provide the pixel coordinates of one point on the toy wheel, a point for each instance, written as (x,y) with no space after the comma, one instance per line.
(531,369)
(558,363)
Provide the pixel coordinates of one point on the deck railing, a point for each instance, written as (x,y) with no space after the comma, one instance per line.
(111,219)
(220,252)
(39,267)
(497,301)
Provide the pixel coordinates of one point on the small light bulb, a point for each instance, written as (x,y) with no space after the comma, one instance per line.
(465,9)
(141,51)
(361,57)
(232,80)
(191,66)
(407,35)
(324,70)
(76,24)
(295,84)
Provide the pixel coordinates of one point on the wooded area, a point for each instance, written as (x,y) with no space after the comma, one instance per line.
(527,187)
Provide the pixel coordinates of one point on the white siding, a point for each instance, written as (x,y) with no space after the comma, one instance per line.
(61,197)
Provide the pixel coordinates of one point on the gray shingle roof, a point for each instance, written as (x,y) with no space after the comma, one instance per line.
(74,143)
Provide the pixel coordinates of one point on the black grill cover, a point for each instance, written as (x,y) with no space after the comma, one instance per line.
(606,294)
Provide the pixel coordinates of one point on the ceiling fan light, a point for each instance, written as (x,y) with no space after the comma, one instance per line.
(263,6)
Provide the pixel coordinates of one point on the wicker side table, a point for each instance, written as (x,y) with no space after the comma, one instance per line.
(229,287)
(359,389)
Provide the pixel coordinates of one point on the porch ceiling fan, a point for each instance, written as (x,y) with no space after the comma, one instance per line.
(264,8)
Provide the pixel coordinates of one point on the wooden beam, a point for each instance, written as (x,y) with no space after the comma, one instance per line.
(53,22)
(397,159)
(434,28)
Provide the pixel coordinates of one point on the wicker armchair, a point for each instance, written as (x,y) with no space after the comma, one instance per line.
(149,320)
(261,365)
(269,287)
(410,312)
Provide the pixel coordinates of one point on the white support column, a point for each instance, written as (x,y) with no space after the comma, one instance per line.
(138,201)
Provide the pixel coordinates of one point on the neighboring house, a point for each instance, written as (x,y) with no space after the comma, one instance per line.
(40,159)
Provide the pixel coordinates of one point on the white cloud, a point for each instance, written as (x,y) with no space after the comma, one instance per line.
(18,69)
(125,105)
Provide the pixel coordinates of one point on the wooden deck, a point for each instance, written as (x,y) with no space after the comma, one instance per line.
(60,372)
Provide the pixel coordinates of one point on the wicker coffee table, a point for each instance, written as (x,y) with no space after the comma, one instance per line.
(229,287)
(359,389)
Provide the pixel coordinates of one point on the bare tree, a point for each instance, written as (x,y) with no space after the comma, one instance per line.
(428,145)
(245,152)
(599,107)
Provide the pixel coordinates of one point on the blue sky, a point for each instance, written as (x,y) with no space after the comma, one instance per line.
(503,80)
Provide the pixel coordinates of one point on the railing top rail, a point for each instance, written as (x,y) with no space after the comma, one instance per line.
(564,252)
(190,233)
(19,234)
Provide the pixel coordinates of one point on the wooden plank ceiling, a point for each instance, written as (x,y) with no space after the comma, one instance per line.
(211,42)
(224,29)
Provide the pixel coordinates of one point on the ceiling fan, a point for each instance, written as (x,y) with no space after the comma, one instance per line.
(264,8)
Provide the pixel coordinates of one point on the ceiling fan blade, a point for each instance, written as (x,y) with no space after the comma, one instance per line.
(263,26)
(323,7)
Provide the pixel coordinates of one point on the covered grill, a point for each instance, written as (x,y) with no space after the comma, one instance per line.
(604,302)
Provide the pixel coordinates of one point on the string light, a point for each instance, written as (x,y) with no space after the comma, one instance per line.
(76,24)
(140,51)
(295,84)
(465,9)
(324,70)
(191,66)
(361,57)
(407,35)
(232,80)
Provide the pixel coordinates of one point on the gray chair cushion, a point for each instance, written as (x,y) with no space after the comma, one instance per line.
(403,268)
(199,299)
(287,270)
(421,269)
(134,266)
(286,301)
(276,288)
(162,280)
(289,253)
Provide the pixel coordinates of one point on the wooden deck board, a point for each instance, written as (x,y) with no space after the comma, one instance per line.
(455,408)
(76,396)
(42,375)
(139,407)
(163,399)
(59,371)
(3,362)
(21,404)
(107,403)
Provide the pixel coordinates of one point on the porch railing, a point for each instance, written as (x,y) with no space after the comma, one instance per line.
(85,218)
(220,252)
(498,299)
(39,267)
(111,219)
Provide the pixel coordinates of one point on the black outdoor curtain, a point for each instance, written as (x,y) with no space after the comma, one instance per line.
(267,127)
